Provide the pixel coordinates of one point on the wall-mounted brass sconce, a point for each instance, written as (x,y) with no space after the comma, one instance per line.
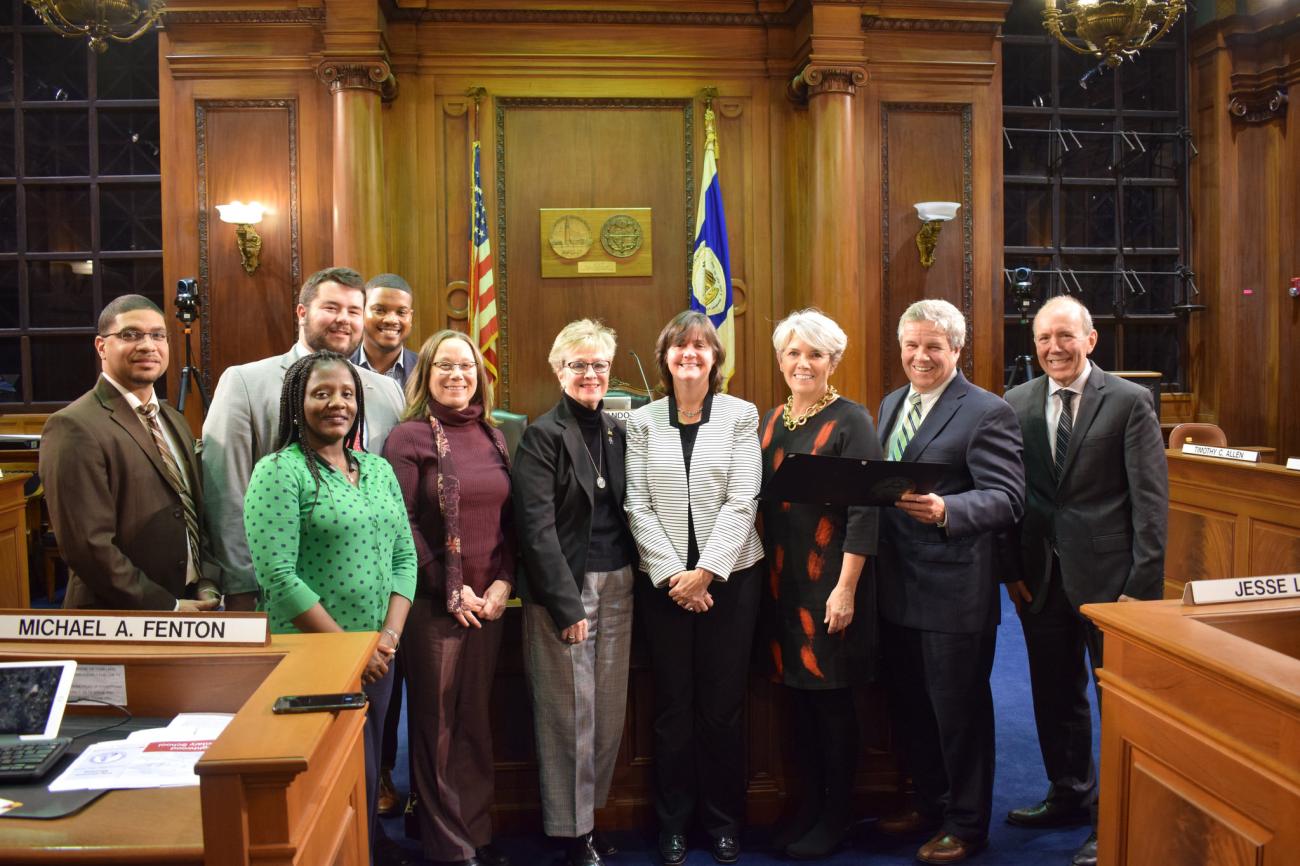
(244,217)
(933,215)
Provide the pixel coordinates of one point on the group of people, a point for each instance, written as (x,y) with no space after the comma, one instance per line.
(334,499)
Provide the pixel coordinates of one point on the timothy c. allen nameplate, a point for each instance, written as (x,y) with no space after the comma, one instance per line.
(569,248)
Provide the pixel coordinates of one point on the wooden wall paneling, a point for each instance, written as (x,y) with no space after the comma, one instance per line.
(247,150)
(1201,546)
(454,136)
(558,152)
(1274,548)
(791,220)
(926,155)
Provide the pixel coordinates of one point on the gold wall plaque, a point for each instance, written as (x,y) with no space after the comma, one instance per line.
(569,249)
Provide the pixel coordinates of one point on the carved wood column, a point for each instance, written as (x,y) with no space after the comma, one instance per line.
(835,202)
(357,88)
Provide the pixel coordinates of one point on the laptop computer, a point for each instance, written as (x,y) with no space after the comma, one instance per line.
(33,696)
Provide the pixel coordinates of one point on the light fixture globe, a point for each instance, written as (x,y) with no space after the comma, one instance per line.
(99,20)
(1113,30)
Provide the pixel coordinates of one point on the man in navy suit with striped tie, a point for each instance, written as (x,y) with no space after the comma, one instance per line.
(938,583)
(1094,531)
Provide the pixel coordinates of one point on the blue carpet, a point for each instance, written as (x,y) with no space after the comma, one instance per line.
(1020,781)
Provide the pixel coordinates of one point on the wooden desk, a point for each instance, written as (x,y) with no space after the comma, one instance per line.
(1200,733)
(1228,519)
(274,789)
(14,590)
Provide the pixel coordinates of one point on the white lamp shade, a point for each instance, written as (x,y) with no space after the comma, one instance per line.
(239,213)
(936,210)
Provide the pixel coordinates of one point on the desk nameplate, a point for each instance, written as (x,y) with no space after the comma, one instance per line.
(136,627)
(1222,453)
(1241,589)
(1293,463)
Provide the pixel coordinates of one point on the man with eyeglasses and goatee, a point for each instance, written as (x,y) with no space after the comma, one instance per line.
(122,479)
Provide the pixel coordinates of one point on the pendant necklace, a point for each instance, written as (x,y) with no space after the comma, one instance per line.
(600,444)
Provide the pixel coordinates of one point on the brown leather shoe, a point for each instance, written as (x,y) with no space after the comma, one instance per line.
(907,823)
(387,794)
(947,848)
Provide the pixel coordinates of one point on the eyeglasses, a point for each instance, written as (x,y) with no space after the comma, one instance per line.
(133,335)
(465,367)
(580,367)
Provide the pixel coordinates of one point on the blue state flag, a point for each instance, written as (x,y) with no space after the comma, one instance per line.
(711,261)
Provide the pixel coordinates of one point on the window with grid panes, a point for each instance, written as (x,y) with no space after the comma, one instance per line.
(1095,193)
(80,201)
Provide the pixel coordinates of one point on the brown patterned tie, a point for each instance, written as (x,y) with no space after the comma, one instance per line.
(177,478)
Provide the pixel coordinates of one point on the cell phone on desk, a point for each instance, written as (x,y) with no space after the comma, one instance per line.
(319,703)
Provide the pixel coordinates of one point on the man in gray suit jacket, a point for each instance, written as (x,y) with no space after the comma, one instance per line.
(122,480)
(1094,531)
(245,415)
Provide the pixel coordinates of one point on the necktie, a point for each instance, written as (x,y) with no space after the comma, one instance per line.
(906,430)
(1064,428)
(177,478)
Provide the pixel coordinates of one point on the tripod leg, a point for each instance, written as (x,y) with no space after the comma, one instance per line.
(185,390)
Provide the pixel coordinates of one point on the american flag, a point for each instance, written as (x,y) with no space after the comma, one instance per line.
(483,294)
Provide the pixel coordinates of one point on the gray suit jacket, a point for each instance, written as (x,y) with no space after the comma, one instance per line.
(115,513)
(240,429)
(1107,515)
(946,580)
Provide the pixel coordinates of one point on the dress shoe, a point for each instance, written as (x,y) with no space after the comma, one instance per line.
(388,799)
(579,852)
(820,841)
(947,848)
(601,845)
(726,849)
(1087,855)
(909,823)
(491,855)
(1049,814)
(672,848)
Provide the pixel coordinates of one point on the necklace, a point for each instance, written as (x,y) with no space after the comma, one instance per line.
(787,414)
(600,445)
(688,413)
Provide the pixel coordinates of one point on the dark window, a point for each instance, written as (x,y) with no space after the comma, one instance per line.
(80,201)
(1095,163)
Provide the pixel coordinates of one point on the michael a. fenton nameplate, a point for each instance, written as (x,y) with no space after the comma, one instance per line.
(130,627)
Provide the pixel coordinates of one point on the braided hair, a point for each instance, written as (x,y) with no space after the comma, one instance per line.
(293,420)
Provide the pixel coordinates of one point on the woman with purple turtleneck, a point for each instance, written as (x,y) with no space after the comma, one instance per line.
(452,466)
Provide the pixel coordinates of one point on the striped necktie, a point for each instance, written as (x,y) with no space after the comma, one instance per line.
(906,430)
(177,478)
(1064,428)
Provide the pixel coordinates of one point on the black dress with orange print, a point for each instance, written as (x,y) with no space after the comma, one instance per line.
(805,546)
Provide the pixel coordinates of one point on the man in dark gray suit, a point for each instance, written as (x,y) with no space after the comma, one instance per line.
(390,309)
(244,418)
(1094,531)
(938,584)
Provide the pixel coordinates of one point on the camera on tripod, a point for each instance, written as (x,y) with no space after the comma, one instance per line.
(187,300)
(1022,291)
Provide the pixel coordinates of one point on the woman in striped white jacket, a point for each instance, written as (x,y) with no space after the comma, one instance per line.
(693,470)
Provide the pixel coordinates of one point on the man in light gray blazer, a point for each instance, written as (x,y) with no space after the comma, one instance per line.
(245,415)
(1094,531)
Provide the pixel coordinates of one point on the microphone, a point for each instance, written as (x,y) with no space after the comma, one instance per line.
(644,381)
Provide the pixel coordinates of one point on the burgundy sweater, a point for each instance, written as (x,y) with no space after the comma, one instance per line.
(486,525)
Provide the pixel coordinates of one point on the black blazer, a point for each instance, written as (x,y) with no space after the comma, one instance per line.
(554,489)
(1107,516)
(946,579)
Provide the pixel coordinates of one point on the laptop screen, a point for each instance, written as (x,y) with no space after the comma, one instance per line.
(32,697)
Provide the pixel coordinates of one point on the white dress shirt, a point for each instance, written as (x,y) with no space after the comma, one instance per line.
(1054,403)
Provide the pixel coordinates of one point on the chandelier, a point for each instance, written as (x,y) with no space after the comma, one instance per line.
(1113,30)
(99,20)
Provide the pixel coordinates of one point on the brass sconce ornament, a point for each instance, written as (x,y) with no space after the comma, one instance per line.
(99,20)
(244,217)
(933,215)
(1113,30)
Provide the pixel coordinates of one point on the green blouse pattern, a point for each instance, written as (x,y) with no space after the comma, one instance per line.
(350,553)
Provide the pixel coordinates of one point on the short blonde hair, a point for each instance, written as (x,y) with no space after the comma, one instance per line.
(813,327)
(583,332)
(417,386)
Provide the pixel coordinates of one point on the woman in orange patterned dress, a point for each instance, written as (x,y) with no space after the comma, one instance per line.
(819,604)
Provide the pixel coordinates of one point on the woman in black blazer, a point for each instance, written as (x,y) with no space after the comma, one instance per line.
(576,585)
(693,470)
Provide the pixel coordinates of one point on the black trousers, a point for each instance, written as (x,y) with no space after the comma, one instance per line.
(942,710)
(1056,638)
(392,719)
(701,673)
